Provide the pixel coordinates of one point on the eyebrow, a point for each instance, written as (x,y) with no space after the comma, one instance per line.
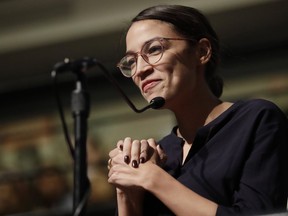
(131,52)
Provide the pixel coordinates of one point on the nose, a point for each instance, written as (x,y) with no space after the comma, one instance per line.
(142,65)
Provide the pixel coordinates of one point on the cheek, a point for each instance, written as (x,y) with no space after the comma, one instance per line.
(181,76)
(136,81)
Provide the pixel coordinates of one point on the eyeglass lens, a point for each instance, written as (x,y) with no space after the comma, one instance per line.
(151,52)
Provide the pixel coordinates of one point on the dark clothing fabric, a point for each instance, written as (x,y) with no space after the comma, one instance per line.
(239,161)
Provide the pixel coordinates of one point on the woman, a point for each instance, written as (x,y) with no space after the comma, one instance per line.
(222,158)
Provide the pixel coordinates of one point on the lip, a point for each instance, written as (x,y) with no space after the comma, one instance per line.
(148,84)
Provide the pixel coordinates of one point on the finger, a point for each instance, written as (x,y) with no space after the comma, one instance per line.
(109,164)
(113,152)
(162,155)
(127,149)
(119,171)
(152,143)
(154,155)
(135,153)
(118,158)
(143,151)
(111,171)
(120,145)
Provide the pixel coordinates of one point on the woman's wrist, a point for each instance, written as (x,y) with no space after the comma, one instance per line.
(151,176)
(132,200)
(137,193)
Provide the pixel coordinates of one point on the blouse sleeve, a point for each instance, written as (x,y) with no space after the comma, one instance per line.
(263,183)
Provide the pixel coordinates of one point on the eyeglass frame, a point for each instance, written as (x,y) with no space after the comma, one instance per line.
(145,57)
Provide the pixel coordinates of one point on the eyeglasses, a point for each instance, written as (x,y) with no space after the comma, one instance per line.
(152,52)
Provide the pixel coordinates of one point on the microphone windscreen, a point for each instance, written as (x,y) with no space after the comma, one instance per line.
(157,102)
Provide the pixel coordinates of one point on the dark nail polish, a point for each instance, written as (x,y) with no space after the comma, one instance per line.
(134,164)
(126,159)
(142,160)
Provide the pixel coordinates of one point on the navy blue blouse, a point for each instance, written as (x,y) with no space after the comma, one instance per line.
(239,161)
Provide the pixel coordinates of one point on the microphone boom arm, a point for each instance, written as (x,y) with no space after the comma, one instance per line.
(82,65)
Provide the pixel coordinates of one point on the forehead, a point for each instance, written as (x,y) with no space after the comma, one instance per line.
(142,31)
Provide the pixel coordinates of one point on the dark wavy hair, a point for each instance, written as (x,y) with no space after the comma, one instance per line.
(190,23)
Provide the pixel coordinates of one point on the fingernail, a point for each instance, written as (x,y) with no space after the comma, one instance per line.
(142,160)
(126,159)
(134,164)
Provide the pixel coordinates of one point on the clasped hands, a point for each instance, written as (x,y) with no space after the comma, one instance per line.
(132,161)
(135,152)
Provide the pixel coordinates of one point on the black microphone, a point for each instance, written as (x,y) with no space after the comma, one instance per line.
(155,103)
(80,66)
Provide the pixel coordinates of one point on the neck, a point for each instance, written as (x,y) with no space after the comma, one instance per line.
(195,107)
(195,115)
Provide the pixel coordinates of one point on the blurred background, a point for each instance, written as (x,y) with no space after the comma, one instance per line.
(36,169)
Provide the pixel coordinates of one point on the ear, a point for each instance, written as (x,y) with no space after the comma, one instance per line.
(204,50)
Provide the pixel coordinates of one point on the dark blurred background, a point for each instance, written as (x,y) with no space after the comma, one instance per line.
(36,169)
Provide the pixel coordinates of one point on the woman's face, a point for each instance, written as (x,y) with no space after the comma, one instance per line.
(174,77)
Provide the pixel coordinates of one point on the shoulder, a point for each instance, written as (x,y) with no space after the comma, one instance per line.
(259,107)
(261,113)
(261,104)
(252,115)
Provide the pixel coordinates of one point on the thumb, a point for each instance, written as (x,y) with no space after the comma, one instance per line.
(162,155)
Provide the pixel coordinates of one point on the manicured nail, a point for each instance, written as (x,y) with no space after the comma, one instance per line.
(142,160)
(121,147)
(126,159)
(134,164)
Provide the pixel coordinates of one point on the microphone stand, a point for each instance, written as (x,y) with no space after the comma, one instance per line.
(80,108)
(80,104)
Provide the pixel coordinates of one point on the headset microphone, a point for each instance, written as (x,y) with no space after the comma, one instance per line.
(155,103)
